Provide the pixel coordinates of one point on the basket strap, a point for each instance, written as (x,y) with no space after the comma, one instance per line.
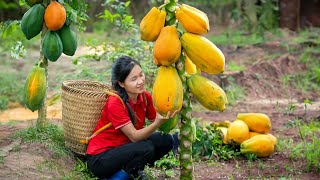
(86,141)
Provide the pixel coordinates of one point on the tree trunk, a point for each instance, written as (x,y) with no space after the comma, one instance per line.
(186,127)
(290,14)
(42,120)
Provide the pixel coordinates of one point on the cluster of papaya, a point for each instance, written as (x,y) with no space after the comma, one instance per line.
(59,38)
(251,132)
(198,54)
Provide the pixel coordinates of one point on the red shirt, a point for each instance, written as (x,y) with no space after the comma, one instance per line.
(118,115)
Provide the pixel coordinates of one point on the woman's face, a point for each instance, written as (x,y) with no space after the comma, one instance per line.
(134,83)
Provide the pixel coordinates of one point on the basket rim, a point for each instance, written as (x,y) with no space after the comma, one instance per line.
(67,86)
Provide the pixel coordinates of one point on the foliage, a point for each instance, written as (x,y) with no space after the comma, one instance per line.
(309,147)
(76,12)
(11,89)
(210,144)
(119,15)
(167,163)
(131,45)
(12,38)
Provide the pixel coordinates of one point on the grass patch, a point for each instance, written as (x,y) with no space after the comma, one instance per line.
(240,38)
(52,136)
(234,92)
(308,148)
(232,66)
(11,89)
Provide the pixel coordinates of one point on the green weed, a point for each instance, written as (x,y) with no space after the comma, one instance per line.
(309,147)
(210,144)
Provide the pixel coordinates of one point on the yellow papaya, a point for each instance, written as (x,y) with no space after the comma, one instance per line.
(203,53)
(151,24)
(221,124)
(224,131)
(192,19)
(207,93)
(167,91)
(35,88)
(270,136)
(167,48)
(251,134)
(257,122)
(261,145)
(190,67)
(238,132)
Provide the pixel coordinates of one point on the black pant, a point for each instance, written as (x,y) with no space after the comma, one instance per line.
(130,157)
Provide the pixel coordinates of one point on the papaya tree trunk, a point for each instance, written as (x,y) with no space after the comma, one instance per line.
(186,127)
(42,120)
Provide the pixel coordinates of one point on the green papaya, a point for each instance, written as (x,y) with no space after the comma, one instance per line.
(32,20)
(33,2)
(167,126)
(52,46)
(35,88)
(69,40)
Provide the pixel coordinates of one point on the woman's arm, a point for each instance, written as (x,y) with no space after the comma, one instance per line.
(138,135)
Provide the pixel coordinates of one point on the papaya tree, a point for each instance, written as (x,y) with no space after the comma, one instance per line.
(181,53)
(52,20)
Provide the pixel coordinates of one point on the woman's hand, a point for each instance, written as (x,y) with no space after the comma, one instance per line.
(161,119)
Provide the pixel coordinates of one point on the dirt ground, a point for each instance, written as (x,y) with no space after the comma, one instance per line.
(265,93)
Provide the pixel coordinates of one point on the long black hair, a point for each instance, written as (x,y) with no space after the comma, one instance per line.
(121,68)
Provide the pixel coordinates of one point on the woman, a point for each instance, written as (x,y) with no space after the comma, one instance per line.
(122,150)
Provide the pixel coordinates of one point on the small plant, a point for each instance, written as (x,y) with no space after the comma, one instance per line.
(210,145)
(309,147)
(168,162)
(82,168)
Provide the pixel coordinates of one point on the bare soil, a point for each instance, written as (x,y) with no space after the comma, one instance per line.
(265,93)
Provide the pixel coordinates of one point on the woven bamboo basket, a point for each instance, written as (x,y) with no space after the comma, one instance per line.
(82,104)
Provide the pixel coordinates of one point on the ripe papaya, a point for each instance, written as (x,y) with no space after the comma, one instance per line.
(261,145)
(238,132)
(257,122)
(33,2)
(32,20)
(52,46)
(167,91)
(190,67)
(224,131)
(192,19)
(69,40)
(151,24)
(203,53)
(55,16)
(170,124)
(207,93)
(270,136)
(35,88)
(167,48)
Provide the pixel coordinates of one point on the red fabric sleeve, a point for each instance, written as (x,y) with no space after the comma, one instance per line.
(117,113)
(150,110)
